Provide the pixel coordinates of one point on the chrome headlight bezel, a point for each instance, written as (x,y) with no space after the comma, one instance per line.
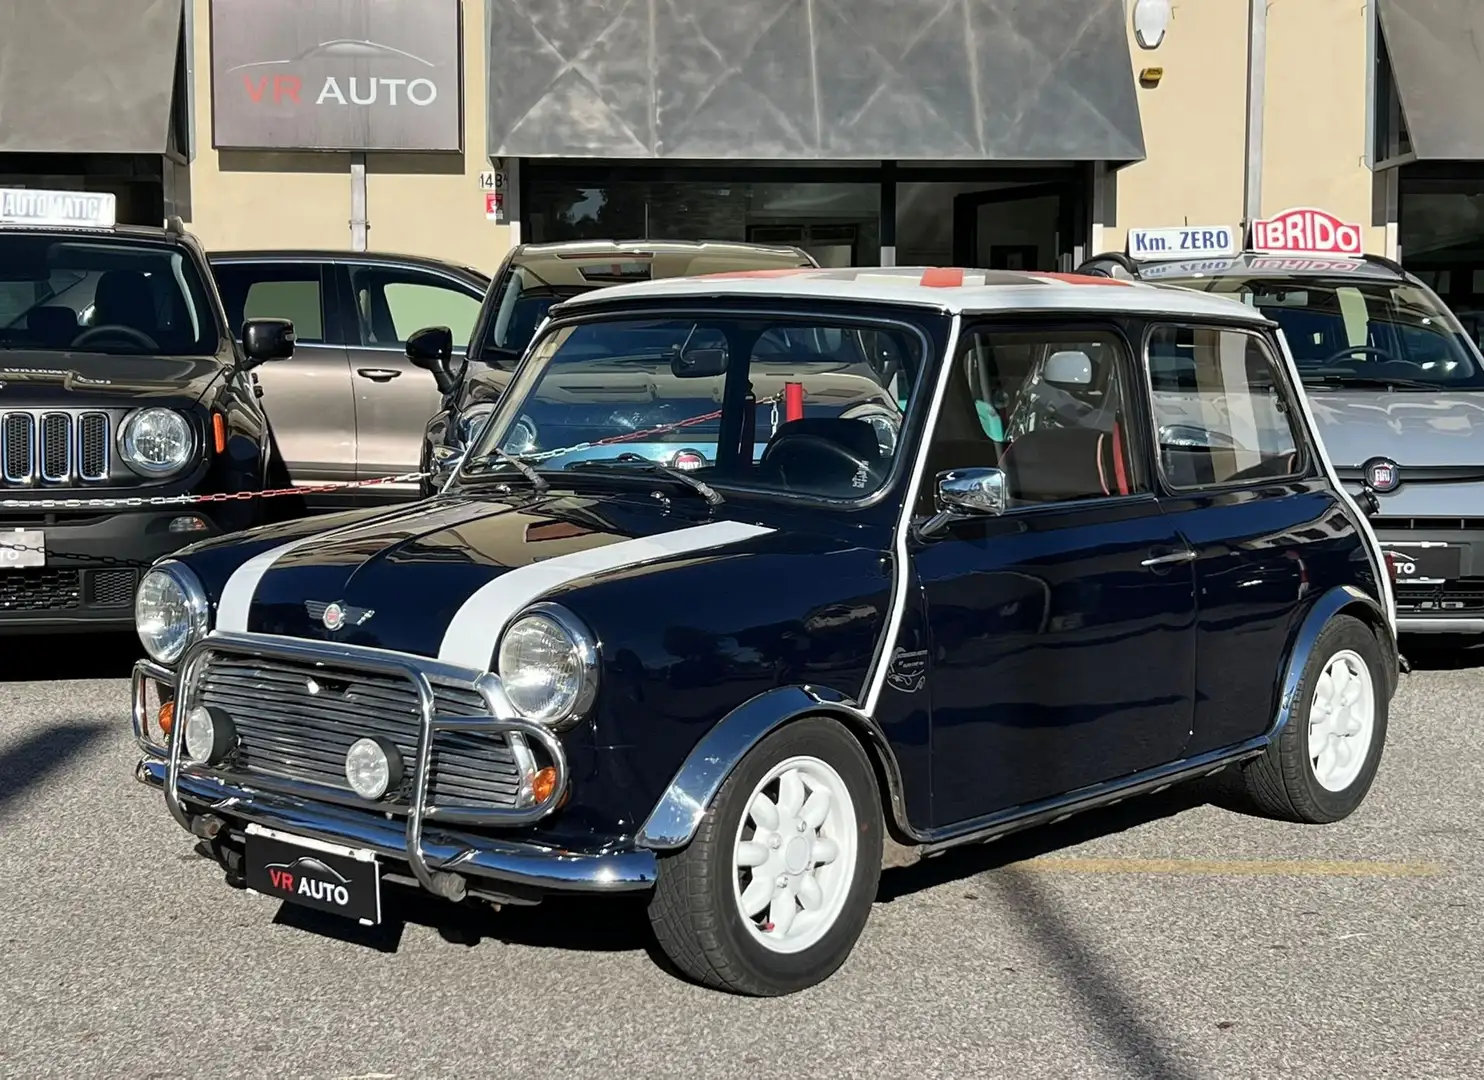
(193,599)
(560,714)
(127,447)
(472,422)
(885,421)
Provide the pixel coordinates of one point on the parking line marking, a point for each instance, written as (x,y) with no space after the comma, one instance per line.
(1233,867)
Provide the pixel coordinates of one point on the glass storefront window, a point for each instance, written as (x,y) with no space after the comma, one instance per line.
(1442,241)
(839,224)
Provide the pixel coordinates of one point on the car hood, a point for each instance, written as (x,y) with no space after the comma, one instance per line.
(443,577)
(1411,427)
(67,378)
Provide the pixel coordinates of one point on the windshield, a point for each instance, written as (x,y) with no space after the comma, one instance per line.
(523,302)
(102,295)
(802,405)
(1358,332)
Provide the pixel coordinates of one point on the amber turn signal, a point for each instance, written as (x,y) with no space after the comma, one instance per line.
(167,716)
(219,430)
(543,784)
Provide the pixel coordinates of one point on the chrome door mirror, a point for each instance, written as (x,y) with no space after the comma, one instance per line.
(965,493)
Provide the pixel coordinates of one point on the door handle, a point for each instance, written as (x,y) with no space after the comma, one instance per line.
(378,374)
(1169,558)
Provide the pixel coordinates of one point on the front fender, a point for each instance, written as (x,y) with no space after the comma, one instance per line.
(676,816)
(1325,608)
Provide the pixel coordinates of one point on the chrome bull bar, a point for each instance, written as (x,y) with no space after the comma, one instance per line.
(421,673)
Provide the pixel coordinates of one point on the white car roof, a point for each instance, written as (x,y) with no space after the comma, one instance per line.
(956,291)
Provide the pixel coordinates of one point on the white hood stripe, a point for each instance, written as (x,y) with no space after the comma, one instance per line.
(475,629)
(242,586)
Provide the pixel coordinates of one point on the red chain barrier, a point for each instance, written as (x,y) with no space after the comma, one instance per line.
(192,500)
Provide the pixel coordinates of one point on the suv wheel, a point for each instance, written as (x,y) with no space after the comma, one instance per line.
(1323,762)
(771,895)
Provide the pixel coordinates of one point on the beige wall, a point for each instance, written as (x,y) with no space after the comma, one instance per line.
(1195,119)
(420,204)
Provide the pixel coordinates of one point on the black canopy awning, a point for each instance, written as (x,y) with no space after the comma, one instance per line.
(1436,48)
(87,76)
(789,80)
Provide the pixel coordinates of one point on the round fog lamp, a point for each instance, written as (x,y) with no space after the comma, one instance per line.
(208,736)
(373,767)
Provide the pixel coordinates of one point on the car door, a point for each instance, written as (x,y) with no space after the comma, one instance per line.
(1251,503)
(308,397)
(1061,629)
(393,399)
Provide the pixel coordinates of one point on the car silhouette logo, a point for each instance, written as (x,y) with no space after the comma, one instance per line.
(309,865)
(1381,474)
(335,614)
(340,49)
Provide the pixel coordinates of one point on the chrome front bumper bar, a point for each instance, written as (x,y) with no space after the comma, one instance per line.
(438,860)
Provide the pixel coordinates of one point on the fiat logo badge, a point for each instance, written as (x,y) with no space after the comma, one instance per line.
(1381,474)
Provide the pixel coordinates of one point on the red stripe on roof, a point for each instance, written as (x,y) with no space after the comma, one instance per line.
(786,271)
(1081,279)
(942,277)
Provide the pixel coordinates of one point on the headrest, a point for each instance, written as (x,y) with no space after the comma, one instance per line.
(124,297)
(1052,464)
(53,325)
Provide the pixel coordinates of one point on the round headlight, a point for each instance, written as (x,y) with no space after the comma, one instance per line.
(884,422)
(472,421)
(156,441)
(548,666)
(521,438)
(170,611)
(372,767)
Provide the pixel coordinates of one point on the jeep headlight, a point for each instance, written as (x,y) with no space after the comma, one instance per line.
(548,666)
(170,611)
(156,441)
(472,421)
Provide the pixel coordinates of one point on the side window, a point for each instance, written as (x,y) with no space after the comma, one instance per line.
(1047,407)
(1221,410)
(280,292)
(394,304)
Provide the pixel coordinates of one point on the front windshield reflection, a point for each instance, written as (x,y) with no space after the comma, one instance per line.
(1358,332)
(807,406)
(102,295)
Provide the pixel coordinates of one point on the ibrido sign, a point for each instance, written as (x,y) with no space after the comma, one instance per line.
(337,74)
(1305,231)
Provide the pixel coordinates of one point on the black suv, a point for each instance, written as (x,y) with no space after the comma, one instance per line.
(122,397)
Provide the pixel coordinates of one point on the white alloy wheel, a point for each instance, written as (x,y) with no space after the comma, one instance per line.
(794,854)
(1342,720)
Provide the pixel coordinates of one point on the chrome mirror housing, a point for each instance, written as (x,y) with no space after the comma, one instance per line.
(965,493)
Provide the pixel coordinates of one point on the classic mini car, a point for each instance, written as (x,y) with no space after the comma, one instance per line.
(532,279)
(745,687)
(122,393)
(1395,382)
(349,405)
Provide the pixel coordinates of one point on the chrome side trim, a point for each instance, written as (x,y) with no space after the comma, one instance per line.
(444,852)
(901,569)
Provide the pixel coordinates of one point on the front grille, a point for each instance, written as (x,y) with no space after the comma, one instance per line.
(38,589)
(1461,597)
(52,448)
(112,588)
(297,722)
(1447,524)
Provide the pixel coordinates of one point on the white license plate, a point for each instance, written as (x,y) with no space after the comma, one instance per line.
(21,548)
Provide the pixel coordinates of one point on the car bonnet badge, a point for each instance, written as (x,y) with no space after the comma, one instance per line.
(336,614)
(1381,474)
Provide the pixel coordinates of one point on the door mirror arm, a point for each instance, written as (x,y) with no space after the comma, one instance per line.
(963,494)
(431,349)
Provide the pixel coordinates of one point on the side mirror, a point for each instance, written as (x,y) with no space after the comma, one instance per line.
(267,339)
(432,350)
(965,493)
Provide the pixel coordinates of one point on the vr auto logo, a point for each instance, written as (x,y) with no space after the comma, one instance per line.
(419,91)
(1381,474)
(328,887)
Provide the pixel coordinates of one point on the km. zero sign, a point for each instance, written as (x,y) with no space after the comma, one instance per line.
(337,74)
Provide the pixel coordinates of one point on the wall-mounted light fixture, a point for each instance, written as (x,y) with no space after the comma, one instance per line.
(1151,20)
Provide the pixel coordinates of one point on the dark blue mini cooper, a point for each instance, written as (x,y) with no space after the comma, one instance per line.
(755,583)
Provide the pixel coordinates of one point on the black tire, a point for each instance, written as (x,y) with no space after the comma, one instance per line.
(1281,784)
(693,909)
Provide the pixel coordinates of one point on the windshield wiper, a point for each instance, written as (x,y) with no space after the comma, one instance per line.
(539,482)
(680,476)
(1369,380)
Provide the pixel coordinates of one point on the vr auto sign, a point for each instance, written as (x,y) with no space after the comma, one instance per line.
(350,75)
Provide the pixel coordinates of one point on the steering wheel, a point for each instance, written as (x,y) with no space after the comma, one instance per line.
(1365,350)
(115,330)
(858,465)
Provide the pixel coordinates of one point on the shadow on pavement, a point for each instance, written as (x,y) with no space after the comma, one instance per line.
(35,758)
(59,657)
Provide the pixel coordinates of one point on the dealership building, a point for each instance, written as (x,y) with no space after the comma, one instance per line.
(985,132)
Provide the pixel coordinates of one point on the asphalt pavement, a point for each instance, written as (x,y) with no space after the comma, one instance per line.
(1165,938)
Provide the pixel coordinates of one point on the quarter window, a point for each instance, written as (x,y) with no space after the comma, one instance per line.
(1047,407)
(1220,408)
